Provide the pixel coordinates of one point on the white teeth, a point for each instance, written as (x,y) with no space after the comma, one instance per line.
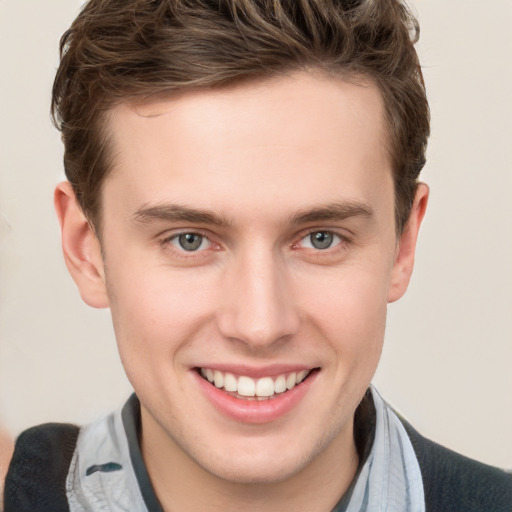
(291,380)
(280,384)
(230,382)
(246,386)
(301,376)
(218,379)
(254,389)
(265,387)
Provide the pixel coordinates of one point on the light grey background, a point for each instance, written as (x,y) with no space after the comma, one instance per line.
(447,363)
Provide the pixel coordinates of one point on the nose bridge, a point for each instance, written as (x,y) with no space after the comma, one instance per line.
(258,300)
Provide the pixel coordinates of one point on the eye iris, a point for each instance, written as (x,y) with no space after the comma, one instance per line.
(190,241)
(321,239)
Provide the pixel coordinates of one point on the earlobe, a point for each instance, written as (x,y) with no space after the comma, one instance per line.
(81,248)
(406,248)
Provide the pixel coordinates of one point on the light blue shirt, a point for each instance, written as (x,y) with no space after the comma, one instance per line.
(102,474)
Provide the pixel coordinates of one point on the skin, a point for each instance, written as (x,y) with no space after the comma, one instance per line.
(257,292)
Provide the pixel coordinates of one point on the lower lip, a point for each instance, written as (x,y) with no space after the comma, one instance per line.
(255,411)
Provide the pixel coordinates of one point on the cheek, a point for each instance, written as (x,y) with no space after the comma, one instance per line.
(354,297)
(349,311)
(155,312)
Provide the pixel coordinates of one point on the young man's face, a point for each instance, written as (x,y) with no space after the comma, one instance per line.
(248,236)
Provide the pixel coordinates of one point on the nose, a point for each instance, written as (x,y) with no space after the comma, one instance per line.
(258,307)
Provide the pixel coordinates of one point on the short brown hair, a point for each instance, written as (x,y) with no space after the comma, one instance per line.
(124,50)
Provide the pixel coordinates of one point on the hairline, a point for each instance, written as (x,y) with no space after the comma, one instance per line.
(322,70)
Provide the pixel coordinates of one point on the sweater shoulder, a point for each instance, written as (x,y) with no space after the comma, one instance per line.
(36,479)
(457,483)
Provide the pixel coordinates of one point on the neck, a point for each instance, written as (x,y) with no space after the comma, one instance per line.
(181,484)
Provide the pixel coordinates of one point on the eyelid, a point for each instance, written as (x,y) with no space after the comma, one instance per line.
(344,237)
(175,240)
(165,239)
(331,247)
(165,242)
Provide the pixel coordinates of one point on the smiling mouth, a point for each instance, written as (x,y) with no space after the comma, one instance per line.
(247,388)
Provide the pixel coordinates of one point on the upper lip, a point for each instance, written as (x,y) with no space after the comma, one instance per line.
(256,372)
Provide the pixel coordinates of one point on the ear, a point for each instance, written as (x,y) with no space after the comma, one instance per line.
(406,247)
(81,248)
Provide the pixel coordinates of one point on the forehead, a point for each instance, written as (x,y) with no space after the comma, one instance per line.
(287,142)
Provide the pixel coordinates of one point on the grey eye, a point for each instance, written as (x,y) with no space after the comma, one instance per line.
(190,241)
(321,239)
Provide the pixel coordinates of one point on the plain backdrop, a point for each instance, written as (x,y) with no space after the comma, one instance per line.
(447,362)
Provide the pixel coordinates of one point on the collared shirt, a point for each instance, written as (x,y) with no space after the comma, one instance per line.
(107,471)
(63,468)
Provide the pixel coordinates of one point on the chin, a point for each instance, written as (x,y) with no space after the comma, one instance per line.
(253,472)
(265,461)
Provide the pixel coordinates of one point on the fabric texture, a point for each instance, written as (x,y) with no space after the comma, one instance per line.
(101,474)
(37,473)
(454,483)
(61,468)
(390,479)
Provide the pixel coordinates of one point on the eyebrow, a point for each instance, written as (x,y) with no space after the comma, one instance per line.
(334,212)
(178,213)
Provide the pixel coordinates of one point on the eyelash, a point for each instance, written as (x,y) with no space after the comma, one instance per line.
(342,239)
(166,243)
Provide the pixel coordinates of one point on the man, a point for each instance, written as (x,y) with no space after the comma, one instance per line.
(243,194)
